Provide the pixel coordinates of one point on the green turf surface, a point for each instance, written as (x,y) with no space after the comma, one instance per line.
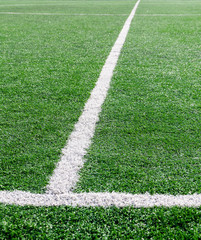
(70,7)
(99,223)
(151,115)
(170,7)
(148,137)
(48,66)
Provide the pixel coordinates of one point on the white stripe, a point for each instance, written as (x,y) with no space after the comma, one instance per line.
(168,15)
(102,14)
(63,14)
(65,175)
(175,2)
(100,199)
(46,4)
(37,4)
(32,4)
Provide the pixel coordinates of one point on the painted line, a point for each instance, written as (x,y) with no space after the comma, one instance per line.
(101,14)
(63,14)
(168,15)
(175,2)
(45,4)
(100,199)
(35,4)
(60,3)
(27,5)
(74,151)
(65,175)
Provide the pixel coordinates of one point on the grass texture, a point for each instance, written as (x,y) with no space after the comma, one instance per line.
(170,7)
(148,131)
(69,7)
(99,223)
(148,137)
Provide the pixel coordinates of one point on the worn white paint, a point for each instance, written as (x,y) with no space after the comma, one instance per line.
(99,199)
(61,14)
(65,175)
(103,14)
(169,15)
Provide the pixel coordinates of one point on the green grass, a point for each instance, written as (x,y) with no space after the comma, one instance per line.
(149,128)
(99,223)
(70,7)
(49,65)
(148,137)
(172,7)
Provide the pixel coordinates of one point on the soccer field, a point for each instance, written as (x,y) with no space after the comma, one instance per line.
(147,138)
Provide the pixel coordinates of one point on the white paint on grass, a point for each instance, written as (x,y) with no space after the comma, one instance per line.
(65,175)
(102,14)
(169,15)
(100,199)
(174,2)
(38,4)
(62,14)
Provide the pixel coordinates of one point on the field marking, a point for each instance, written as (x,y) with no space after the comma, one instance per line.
(100,199)
(65,3)
(44,4)
(168,15)
(104,199)
(189,2)
(103,14)
(63,14)
(34,4)
(65,175)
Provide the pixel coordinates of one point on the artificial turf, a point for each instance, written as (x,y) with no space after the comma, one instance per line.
(69,7)
(99,223)
(169,7)
(148,137)
(35,102)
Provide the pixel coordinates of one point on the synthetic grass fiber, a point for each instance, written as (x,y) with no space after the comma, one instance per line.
(99,223)
(82,7)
